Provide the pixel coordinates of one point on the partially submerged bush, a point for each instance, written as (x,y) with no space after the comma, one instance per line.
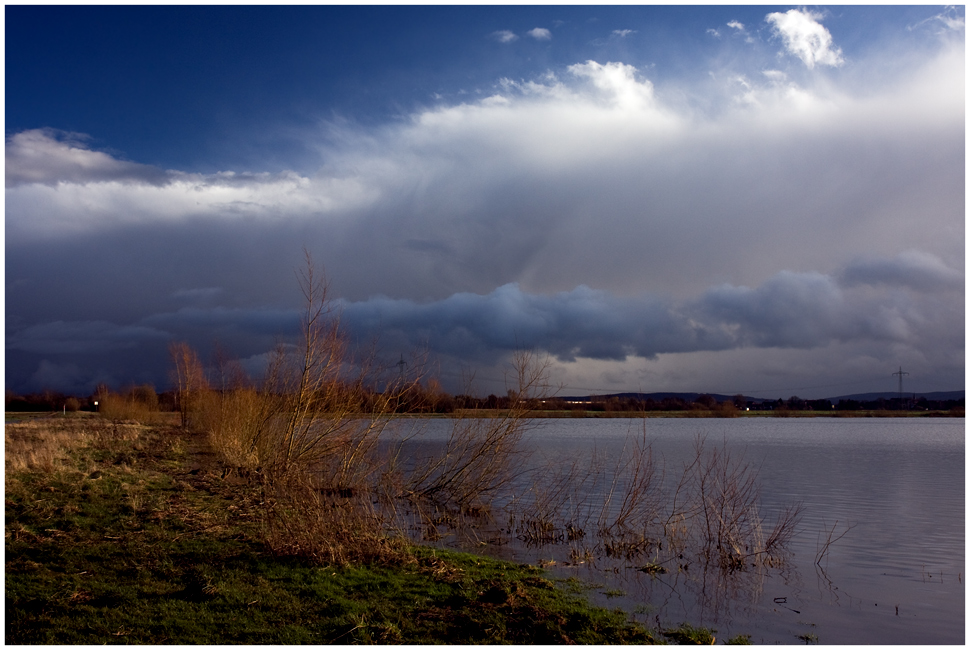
(303,432)
(335,487)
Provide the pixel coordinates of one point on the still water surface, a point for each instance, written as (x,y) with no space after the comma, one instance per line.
(896,577)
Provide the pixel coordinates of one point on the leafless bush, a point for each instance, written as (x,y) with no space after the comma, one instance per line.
(710,514)
(556,505)
(482,455)
(138,404)
(190,380)
(303,431)
(635,488)
(715,509)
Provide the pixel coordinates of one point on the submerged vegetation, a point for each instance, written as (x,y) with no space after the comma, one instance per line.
(294,509)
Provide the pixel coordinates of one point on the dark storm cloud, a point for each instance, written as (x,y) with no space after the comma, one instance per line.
(82,337)
(252,321)
(788,311)
(578,323)
(200,294)
(913,269)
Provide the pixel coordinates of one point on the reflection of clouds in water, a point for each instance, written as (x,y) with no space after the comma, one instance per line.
(898,482)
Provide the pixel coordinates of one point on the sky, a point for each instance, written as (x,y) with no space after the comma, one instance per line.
(725,199)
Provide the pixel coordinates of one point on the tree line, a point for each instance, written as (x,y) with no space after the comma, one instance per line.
(428,397)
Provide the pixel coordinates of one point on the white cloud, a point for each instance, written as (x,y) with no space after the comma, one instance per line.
(734,24)
(540,34)
(49,156)
(806,37)
(623,33)
(588,176)
(617,82)
(62,188)
(504,36)
(950,20)
(776,76)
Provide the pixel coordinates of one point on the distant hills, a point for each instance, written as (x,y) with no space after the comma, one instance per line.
(938,396)
(690,397)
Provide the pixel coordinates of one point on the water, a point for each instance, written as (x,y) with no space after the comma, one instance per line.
(894,486)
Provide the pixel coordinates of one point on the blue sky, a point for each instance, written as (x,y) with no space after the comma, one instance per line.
(751,199)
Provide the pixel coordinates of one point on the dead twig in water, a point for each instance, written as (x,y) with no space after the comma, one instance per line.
(829,540)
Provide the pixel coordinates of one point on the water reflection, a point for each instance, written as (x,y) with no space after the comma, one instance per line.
(690,534)
(609,505)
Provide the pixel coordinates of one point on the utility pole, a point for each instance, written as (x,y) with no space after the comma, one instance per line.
(402,364)
(900,373)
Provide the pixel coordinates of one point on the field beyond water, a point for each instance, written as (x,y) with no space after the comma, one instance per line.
(128,533)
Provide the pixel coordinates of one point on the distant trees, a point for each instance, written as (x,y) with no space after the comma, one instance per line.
(138,403)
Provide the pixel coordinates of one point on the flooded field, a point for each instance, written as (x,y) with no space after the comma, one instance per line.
(877,555)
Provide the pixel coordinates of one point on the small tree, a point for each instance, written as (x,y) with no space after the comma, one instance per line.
(190,380)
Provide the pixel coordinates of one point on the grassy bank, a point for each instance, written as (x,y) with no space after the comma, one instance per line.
(123,533)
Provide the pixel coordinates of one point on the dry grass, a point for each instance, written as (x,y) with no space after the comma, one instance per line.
(327,527)
(42,445)
(47,444)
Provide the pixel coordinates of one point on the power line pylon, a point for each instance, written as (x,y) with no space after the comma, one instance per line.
(900,373)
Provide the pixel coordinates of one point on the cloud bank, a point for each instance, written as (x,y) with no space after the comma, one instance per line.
(592,211)
(911,301)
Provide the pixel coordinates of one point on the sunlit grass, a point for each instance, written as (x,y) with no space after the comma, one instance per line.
(129,534)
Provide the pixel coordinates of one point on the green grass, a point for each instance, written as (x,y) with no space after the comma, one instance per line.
(121,542)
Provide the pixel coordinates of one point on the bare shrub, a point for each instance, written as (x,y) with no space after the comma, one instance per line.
(232,419)
(710,513)
(556,506)
(316,392)
(304,432)
(636,490)
(137,404)
(482,455)
(190,379)
(718,512)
